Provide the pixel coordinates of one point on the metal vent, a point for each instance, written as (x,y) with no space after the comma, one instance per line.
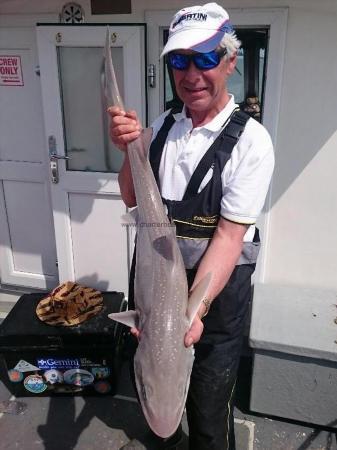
(72,13)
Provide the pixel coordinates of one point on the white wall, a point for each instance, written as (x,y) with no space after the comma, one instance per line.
(303,238)
(302,241)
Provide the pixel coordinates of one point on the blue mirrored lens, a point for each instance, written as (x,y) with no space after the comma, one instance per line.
(203,61)
(178,61)
(206,61)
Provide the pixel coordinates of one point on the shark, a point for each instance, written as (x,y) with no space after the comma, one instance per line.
(165,308)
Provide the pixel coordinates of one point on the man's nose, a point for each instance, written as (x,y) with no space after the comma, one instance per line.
(192,72)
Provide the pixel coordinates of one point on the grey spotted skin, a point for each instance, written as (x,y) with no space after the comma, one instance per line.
(164,310)
(162,363)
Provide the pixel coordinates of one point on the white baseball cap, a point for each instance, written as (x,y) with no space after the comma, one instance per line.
(198,28)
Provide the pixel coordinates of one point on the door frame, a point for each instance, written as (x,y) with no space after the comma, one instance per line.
(276,20)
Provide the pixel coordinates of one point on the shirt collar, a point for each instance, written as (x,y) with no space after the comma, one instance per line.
(218,121)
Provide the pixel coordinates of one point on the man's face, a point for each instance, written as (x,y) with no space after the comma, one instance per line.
(204,90)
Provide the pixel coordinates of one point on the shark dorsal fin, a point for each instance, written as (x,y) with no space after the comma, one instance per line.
(128,318)
(164,246)
(196,297)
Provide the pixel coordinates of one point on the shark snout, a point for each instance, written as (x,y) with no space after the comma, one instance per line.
(164,426)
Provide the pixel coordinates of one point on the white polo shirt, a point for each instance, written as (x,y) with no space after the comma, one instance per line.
(245,178)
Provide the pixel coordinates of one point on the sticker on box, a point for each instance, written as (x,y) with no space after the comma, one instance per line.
(102,387)
(35,384)
(78,377)
(24,366)
(15,376)
(58,363)
(100,372)
(53,376)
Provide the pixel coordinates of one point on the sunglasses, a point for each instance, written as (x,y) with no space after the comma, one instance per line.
(202,61)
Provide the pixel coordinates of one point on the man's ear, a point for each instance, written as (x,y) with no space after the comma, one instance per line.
(231,63)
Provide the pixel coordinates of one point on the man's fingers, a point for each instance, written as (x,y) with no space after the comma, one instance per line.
(135,332)
(132,114)
(124,139)
(116,111)
(194,333)
(124,127)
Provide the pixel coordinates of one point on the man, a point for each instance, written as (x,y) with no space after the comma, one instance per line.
(213,166)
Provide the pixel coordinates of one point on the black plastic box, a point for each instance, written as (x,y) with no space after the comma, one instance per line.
(46,360)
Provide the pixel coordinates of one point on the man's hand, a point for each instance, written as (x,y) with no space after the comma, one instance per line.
(135,332)
(124,127)
(193,335)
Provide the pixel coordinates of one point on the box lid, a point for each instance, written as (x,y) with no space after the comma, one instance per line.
(22,329)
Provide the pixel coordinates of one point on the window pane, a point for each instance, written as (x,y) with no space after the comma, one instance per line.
(84,109)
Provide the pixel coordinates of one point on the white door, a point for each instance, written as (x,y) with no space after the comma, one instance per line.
(93,247)
(27,246)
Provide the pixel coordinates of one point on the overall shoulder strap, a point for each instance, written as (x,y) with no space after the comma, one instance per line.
(222,146)
(156,148)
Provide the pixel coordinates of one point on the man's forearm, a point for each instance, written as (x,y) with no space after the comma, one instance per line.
(221,256)
(126,183)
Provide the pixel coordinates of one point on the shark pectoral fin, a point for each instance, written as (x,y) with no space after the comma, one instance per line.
(131,217)
(196,297)
(164,246)
(129,318)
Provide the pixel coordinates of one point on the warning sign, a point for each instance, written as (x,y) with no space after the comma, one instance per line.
(10,71)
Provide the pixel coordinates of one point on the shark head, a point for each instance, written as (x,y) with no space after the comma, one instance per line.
(162,363)
(163,394)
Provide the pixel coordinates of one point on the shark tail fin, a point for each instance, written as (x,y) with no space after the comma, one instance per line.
(197,295)
(128,318)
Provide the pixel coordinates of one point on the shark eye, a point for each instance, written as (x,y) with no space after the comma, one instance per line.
(146,391)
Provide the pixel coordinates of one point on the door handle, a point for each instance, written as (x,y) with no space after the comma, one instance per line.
(54,157)
(52,149)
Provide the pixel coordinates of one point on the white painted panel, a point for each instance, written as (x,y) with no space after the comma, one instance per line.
(30,225)
(27,242)
(304,239)
(100,246)
(21,119)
